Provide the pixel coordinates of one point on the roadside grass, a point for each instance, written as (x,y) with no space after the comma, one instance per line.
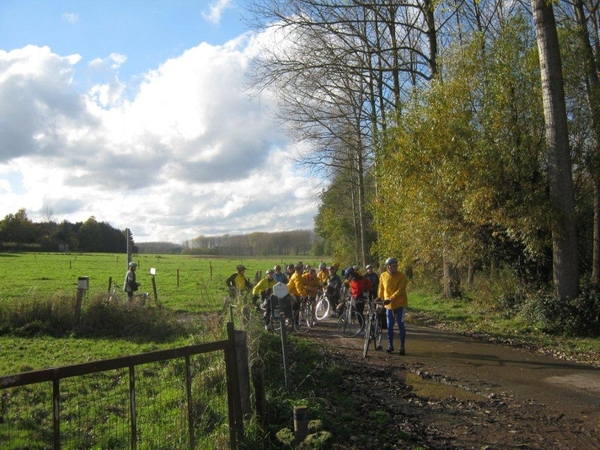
(489,319)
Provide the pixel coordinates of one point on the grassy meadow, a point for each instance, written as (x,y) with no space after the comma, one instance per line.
(184,284)
(37,298)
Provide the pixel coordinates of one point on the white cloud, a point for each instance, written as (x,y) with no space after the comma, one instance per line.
(216,10)
(190,153)
(70,17)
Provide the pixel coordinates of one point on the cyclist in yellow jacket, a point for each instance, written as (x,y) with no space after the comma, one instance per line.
(392,289)
(238,283)
(323,274)
(264,287)
(263,290)
(296,286)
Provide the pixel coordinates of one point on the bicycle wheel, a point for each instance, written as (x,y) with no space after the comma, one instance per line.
(377,334)
(322,308)
(351,322)
(275,325)
(369,329)
(303,321)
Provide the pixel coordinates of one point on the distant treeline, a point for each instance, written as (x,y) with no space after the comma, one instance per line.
(18,233)
(296,242)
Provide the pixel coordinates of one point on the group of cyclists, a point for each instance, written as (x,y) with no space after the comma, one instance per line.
(304,283)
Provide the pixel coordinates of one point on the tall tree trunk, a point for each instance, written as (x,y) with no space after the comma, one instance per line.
(593,95)
(451,279)
(596,258)
(362,207)
(564,236)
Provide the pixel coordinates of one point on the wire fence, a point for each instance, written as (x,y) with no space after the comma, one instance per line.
(157,400)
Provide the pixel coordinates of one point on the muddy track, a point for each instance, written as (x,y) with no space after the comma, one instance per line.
(456,392)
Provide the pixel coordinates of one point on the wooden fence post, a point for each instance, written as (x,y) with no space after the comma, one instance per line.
(300,423)
(241,353)
(154,290)
(260,392)
(233,388)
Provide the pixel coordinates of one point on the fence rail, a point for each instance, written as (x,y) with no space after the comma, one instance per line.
(58,376)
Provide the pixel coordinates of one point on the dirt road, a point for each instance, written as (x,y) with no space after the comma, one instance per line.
(464,393)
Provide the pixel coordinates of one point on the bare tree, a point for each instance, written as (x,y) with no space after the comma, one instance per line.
(341,72)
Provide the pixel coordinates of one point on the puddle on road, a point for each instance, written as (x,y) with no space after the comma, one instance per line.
(434,389)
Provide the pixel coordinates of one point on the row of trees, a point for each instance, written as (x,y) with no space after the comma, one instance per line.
(18,232)
(447,130)
(296,242)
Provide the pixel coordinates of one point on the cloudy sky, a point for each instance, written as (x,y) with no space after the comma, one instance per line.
(135,112)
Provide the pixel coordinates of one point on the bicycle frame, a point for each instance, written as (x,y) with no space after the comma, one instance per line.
(351,322)
(373,328)
(322,306)
(304,316)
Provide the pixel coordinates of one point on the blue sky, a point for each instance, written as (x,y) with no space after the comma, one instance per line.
(149,32)
(137,113)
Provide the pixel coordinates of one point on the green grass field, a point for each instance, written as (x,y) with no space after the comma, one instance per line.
(37,294)
(184,284)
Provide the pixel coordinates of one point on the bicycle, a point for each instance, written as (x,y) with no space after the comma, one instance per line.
(114,296)
(322,306)
(345,293)
(351,322)
(274,323)
(373,329)
(304,317)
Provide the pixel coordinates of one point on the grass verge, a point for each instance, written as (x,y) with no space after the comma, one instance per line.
(491,323)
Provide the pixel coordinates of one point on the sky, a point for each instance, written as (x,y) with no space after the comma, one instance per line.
(137,113)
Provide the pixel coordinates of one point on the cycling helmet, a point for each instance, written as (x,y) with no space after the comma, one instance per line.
(241,267)
(369,266)
(269,271)
(132,264)
(277,267)
(348,272)
(299,266)
(332,268)
(391,261)
(356,267)
(322,266)
(307,267)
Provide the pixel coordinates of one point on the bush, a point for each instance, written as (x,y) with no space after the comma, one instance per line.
(30,317)
(573,317)
(54,317)
(118,319)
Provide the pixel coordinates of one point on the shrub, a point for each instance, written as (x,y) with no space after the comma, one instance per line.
(34,316)
(54,317)
(118,319)
(572,317)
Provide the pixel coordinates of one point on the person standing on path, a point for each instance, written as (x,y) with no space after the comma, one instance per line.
(280,276)
(237,283)
(263,291)
(374,279)
(334,285)
(296,286)
(130,285)
(392,289)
